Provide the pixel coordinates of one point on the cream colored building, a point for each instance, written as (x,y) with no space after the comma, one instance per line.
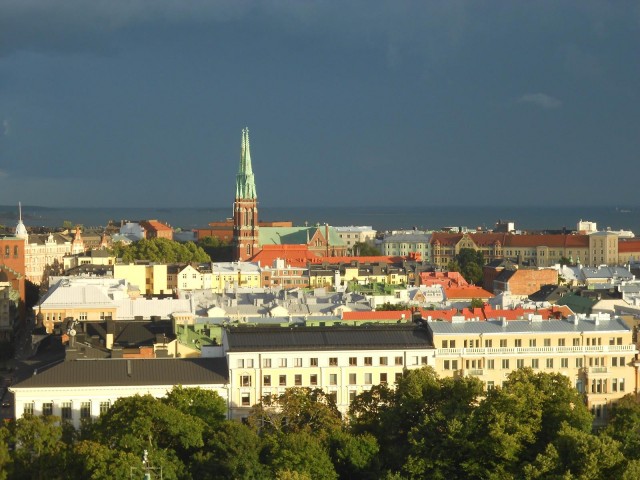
(596,353)
(234,274)
(78,390)
(356,234)
(341,361)
(43,250)
(93,257)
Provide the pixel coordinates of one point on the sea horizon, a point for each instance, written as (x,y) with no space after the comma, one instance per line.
(381,218)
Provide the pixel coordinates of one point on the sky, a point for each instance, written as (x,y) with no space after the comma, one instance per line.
(116,103)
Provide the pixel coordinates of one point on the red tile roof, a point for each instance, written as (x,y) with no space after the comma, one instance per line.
(155,225)
(471,291)
(393,315)
(628,246)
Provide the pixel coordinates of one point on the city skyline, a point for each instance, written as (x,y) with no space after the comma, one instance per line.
(126,104)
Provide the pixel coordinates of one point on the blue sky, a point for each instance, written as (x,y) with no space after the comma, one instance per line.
(141,103)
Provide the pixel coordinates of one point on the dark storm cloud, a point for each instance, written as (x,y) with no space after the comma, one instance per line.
(151,95)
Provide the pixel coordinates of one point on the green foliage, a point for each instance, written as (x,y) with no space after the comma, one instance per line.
(354,456)
(233,451)
(469,263)
(395,307)
(363,249)
(476,303)
(206,405)
(40,451)
(536,426)
(624,426)
(299,452)
(160,250)
(219,250)
(296,410)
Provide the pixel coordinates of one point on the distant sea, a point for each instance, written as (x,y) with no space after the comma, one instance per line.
(380,218)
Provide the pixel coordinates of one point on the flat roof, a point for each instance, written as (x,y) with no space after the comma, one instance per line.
(365,337)
(526,326)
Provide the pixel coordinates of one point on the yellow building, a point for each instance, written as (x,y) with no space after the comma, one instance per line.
(596,353)
(150,278)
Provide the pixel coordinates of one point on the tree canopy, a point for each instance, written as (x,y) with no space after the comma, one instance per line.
(469,263)
(160,250)
(535,426)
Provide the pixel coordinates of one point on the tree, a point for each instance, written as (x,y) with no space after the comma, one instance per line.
(217,249)
(477,303)
(299,452)
(392,307)
(40,450)
(50,270)
(160,250)
(5,454)
(296,410)
(624,425)
(364,249)
(93,460)
(139,423)
(354,456)
(206,405)
(469,263)
(578,454)
(233,451)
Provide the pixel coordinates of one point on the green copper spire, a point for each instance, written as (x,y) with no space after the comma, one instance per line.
(245,183)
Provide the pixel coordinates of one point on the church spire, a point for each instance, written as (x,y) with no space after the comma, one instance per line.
(21,230)
(245,182)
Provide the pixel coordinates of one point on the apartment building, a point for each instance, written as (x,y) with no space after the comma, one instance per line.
(356,234)
(596,353)
(82,390)
(342,361)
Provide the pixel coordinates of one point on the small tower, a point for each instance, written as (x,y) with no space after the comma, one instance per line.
(21,230)
(77,246)
(245,207)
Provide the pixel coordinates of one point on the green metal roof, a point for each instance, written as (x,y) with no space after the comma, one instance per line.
(295,235)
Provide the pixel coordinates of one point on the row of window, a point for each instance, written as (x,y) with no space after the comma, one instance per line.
(66,409)
(332,362)
(517,342)
(505,363)
(285,380)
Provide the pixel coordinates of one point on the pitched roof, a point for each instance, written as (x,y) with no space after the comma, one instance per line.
(131,372)
(296,235)
(627,246)
(470,291)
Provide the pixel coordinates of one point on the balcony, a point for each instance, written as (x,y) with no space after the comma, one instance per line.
(582,350)
(474,372)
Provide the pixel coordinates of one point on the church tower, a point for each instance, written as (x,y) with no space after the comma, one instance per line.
(245,207)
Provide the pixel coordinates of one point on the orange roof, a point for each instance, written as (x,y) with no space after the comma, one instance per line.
(294,255)
(442,278)
(560,240)
(155,225)
(488,313)
(378,315)
(373,259)
(470,291)
(627,246)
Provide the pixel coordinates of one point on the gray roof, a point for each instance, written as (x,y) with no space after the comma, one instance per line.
(525,326)
(408,238)
(605,271)
(331,338)
(115,372)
